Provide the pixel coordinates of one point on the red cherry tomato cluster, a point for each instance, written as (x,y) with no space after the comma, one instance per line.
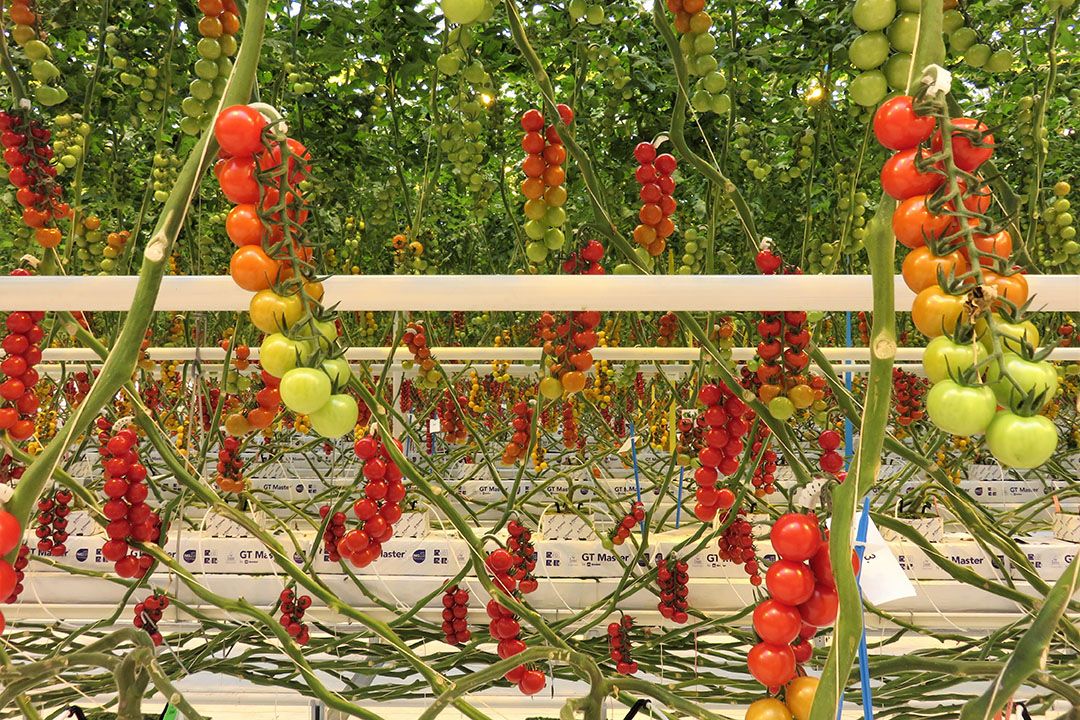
(656,195)
(543,185)
(455,615)
(52,523)
(11,575)
(571,439)
(148,614)
(622,531)
(524,556)
(292,615)
(668,327)
(585,261)
(450,421)
(830,461)
(335,530)
(18,401)
(230,467)
(77,386)
(764,479)
(721,449)
(619,646)
(519,441)
(803,593)
(130,518)
(673,577)
(380,507)
(737,545)
(505,628)
(690,437)
(28,154)
(908,389)
(415,340)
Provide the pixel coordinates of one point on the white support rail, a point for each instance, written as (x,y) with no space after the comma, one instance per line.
(727,293)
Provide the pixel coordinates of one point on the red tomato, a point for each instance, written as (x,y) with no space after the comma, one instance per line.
(898,127)
(252,269)
(972,143)
(772,665)
(978,199)
(299,160)
(820,610)
(237,178)
(776,622)
(238,130)
(243,225)
(532,682)
(795,536)
(790,582)
(998,246)
(901,179)
(913,222)
(10,532)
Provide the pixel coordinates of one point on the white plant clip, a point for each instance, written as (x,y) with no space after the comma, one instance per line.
(809,495)
(938,80)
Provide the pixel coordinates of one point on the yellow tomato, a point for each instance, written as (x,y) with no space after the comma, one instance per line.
(767,709)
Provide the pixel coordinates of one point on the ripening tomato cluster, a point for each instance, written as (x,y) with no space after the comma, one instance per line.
(667,326)
(268,399)
(543,188)
(521,422)
(567,350)
(455,616)
(148,615)
(335,530)
(218,27)
(524,556)
(585,260)
(130,518)
(293,608)
(18,401)
(230,467)
(415,339)
(571,438)
(451,424)
(736,545)
(672,575)
(721,449)
(505,628)
(52,523)
(656,195)
(764,479)
(622,531)
(380,507)
(28,154)
(803,598)
(619,647)
(960,402)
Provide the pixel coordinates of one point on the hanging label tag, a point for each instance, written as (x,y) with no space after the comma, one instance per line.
(883,579)
(625,447)
(434,425)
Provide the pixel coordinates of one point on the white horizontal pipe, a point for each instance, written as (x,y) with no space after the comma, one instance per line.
(730,293)
(515,354)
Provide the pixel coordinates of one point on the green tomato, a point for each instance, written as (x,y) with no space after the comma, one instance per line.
(534,229)
(336,417)
(961,39)
(952,21)
(1031,377)
(869,50)
(536,252)
(625,269)
(36,50)
(977,55)
(959,409)
(945,359)
(872,15)
(1001,61)
(781,408)
(1013,335)
(462,12)
(278,354)
(338,371)
(868,88)
(44,71)
(304,390)
(1021,442)
(903,30)
(897,70)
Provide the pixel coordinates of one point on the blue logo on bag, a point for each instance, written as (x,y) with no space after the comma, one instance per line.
(81,554)
(419,555)
(189,556)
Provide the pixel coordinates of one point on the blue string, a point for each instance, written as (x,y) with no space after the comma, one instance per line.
(408,438)
(864,663)
(633,458)
(678,508)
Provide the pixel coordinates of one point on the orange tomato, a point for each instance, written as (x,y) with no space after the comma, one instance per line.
(1012,287)
(572,382)
(48,237)
(935,312)
(913,222)
(644,235)
(260,418)
(210,27)
(650,214)
(532,188)
(252,269)
(554,175)
(920,268)
(992,247)
(243,225)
